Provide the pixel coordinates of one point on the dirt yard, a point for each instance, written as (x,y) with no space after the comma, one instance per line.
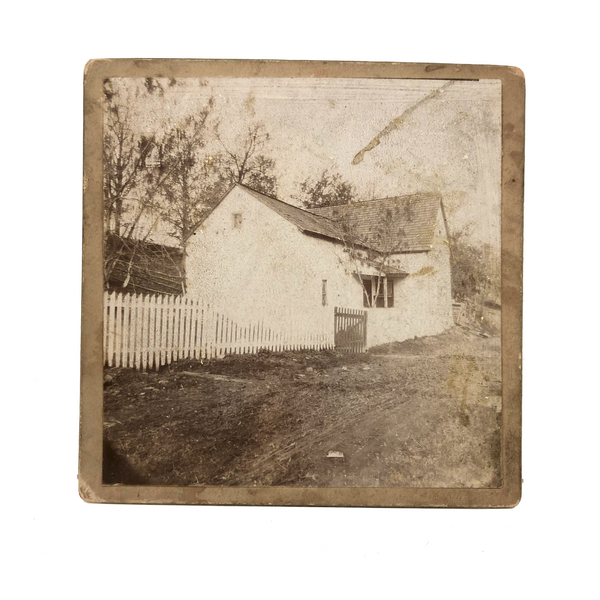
(423,413)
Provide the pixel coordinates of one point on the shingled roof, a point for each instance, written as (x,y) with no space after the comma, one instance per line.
(305,221)
(402,223)
(138,267)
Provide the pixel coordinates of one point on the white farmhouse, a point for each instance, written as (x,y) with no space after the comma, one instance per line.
(261,258)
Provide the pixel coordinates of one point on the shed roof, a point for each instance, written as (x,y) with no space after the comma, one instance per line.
(138,267)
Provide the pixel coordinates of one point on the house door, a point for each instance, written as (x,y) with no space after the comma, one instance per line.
(350,330)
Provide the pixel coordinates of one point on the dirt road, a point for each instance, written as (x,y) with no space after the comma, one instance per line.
(422,413)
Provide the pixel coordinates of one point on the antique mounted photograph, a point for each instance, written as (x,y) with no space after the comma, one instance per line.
(302,283)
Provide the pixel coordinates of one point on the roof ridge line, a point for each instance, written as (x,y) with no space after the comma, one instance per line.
(432,194)
(308,212)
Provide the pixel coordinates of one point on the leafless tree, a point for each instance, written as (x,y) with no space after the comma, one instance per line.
(245,162)
(376,250)
(124,155)
(131,186)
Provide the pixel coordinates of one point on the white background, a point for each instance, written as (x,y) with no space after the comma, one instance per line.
(56,545)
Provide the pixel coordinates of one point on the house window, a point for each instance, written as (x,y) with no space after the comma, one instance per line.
(378,292)
(367,292)
(237,220)
(324,292)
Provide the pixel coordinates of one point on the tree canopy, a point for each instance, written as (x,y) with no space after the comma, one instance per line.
(327,190)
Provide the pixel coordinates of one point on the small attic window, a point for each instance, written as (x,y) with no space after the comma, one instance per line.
(237,220)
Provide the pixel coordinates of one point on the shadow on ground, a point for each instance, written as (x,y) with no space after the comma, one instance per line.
(422,413)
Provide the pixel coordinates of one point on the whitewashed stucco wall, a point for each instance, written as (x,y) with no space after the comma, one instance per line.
(267,269)
(422,301)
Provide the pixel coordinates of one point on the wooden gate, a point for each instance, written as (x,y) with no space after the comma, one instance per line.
(350,330)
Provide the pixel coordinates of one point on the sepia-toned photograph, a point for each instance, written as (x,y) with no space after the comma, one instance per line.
(302,282)
(301,285)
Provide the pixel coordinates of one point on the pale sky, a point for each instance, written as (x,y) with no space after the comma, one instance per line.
(449,143)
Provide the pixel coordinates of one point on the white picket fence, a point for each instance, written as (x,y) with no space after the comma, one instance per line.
(144,332)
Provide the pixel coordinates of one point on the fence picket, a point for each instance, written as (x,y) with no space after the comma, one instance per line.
(148,328)
(105,328)
(162,321)
(215,333)
(202,330)
(193,327)
(173,323)
(118,330)
(110,326)
(221,335)
(168,328)
(190,329)
(182,327)
(185,327)
(206,329)
(134,331)
(176,327)
(142,332)
(198,341)
(228,327)
(210,332)
(125,330)
(151,330)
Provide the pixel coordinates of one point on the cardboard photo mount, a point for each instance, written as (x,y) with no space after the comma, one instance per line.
(91,488)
